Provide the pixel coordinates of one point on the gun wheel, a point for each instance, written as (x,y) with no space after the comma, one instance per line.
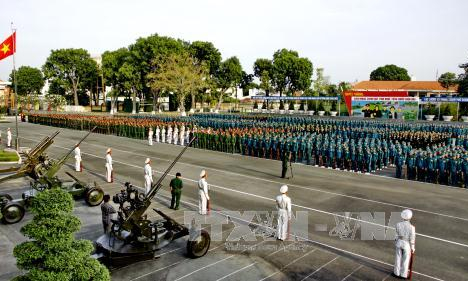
(198,246)
(94,196)
(13,212)
(6,196)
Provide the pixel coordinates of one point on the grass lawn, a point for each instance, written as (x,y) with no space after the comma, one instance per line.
(6,156)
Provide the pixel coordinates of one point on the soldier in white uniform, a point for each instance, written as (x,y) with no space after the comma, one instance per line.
(169,134)
(150,136)
(109,168)
(8,137)
(158,131)
(78,159)
(163,134)
(176,135)
(187,135)
(283,204)
(182,135)
(148,175)
(203,196)
(405,244)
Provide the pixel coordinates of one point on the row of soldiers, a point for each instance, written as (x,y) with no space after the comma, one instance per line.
(363,146)
(439,164)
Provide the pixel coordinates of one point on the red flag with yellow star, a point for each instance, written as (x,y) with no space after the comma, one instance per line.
(8,47)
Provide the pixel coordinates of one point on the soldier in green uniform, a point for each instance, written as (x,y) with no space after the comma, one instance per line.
(285,159)
(176,191)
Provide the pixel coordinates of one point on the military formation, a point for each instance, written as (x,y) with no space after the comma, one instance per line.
(429,152)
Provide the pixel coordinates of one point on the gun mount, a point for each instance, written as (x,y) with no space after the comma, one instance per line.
(133,237)
(43,173)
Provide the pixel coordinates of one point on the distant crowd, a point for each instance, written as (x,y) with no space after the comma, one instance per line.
(430,152)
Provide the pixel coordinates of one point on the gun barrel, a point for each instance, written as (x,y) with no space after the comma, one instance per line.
(42,145)
(155,187)
(52,171)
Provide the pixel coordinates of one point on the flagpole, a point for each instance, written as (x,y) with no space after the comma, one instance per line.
(13,30)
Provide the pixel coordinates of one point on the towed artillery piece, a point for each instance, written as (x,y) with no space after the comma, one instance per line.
(134,238)
(42,170)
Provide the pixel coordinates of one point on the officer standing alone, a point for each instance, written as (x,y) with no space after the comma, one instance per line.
(109,168)
(148,175)
(283,204)
(203,196)
(405,244)
(176,191)
(78,166)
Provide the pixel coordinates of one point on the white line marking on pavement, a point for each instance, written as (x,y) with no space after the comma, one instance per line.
(354,271)
(294,261)
(320,268)
(239,270)
(294,185)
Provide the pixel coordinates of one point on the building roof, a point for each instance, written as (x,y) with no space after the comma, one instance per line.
(423,86)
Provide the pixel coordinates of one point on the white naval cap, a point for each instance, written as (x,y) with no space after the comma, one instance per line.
(202,174)
(284,188)
(147,160)
(407,214)
(108,150)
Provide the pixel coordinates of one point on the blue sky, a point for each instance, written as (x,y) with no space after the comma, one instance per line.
(348,38)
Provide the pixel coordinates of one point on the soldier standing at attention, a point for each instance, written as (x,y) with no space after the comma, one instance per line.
(176,191)
(107,210)
(150,136)
(405,244)
(109,168)
(158,132)
(283,204)
(203,196)
(285,159)
(78,167)
(148,175)
(163,134)
(8,137)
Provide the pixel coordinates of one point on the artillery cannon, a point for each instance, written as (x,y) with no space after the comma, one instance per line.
(42,170)
(134,238)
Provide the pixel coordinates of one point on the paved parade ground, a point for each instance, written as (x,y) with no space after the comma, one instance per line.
(239,183)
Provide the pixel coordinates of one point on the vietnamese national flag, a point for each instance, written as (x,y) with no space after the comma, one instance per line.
(8,47)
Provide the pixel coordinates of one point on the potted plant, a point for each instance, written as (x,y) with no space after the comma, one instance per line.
(291,105)
(446,113)
(310,106)
(321,109)
(302,106)
(333,111)
(281,107)
(431,112)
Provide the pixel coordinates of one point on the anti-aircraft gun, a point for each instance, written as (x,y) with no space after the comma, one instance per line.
(42,170)
(134,238)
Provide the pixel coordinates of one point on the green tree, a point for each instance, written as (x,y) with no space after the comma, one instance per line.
(119,70)
(290,72)
(70,67)
(180,74)
(205,52)
(29,84)
(147,56)
(448,80)
(228,76)
(29,80)
(263,70)
(390,72)
(247,83)
(52,253)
